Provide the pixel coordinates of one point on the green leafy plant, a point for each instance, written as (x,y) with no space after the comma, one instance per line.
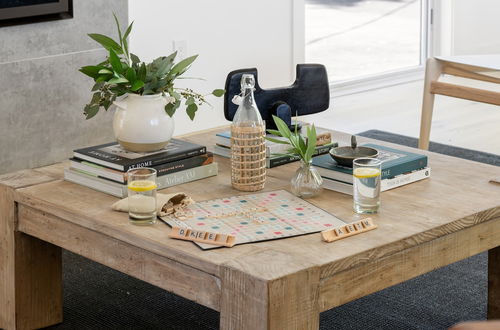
(298,145)
(123,72)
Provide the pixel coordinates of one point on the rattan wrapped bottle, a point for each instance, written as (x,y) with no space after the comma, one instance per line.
(248,147)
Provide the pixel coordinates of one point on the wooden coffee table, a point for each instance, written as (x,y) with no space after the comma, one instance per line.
(279,284)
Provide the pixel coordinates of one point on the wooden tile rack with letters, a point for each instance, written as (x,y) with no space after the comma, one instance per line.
(347,230)
(206,237)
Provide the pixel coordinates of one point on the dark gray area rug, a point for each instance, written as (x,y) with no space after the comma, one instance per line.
(478,156)
(97,297)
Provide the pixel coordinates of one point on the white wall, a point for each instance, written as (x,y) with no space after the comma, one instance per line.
(468,27)
(227,35)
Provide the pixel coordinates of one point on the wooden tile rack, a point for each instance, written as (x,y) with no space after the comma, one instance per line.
(202,236)
(347,230)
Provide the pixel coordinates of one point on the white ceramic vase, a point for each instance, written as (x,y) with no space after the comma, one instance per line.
(141,124)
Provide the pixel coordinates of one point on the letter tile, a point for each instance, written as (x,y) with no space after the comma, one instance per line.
(358,226)
(221,238)
(350,228)
(367,222)
(339,232)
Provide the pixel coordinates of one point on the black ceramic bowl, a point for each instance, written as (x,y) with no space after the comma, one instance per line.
(345,155)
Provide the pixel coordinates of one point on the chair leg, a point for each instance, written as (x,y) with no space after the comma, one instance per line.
(432,73)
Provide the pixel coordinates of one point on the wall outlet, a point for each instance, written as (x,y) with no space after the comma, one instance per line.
(181,47)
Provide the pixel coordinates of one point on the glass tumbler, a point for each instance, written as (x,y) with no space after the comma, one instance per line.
(366,178)
(142,196)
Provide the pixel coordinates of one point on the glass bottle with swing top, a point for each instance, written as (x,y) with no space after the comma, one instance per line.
(248,146)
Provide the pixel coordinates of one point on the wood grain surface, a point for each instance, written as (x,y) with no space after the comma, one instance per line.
(278,284)
(463,92)
(282,294)
(379,274)
(458,195)
(30,269)
(433,69)
(175,277)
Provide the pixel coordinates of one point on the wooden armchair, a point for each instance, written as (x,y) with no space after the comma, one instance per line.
(475,67)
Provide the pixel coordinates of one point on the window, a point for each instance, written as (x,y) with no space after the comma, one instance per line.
(366,41)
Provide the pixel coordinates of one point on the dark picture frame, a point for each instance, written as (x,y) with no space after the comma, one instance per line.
(31,13)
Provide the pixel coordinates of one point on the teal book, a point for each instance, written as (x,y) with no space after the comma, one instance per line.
(394,162)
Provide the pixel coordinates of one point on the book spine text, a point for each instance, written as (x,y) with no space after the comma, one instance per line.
(189,175)
(184,164)
(168,158)
(276,161)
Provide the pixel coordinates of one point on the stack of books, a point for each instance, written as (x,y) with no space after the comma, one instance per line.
(104,167)
(398,168)
(276,153)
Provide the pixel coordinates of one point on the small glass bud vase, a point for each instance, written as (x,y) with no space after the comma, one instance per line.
(307,181)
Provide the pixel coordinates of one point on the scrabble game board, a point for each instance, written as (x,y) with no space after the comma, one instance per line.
(256,217)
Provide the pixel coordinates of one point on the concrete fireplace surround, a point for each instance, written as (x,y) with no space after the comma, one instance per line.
(42,94)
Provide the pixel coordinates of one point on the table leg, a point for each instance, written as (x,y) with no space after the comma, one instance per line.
(30,274)
(494,283)
(290,302)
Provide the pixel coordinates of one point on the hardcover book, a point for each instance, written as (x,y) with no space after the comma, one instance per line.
(274,161)
(385,184)
(224,139)
(394,163)
(120,190)
(162,169)
(112,155)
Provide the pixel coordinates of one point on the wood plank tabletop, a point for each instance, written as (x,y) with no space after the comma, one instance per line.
(458,195)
